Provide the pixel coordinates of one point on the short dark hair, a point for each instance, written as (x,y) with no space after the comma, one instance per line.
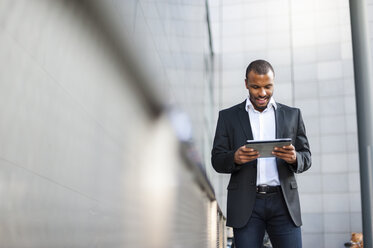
(260,67)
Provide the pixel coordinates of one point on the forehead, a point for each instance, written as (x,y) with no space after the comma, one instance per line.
(260,78)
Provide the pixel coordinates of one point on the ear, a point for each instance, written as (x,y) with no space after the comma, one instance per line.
(247,83)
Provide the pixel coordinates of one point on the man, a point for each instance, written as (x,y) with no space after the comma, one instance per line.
(262,192)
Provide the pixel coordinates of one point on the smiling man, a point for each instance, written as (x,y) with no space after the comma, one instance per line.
(262,191)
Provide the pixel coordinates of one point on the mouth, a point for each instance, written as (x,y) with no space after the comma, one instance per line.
(261,101)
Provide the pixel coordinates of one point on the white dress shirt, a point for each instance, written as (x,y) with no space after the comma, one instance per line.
(263,126)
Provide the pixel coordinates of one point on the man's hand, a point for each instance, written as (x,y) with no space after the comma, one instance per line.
(286,153)
(245,154)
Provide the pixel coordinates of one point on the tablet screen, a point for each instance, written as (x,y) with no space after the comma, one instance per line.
(265,147)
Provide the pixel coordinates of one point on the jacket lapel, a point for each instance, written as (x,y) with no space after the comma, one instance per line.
(245,121)
(279,116)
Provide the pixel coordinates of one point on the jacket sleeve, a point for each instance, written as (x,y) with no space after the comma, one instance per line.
(302,148)
(222,155)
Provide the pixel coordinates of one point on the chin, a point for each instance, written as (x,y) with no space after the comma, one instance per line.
(260,108)
(263,106)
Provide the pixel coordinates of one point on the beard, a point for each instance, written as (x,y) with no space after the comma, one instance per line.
(257,106)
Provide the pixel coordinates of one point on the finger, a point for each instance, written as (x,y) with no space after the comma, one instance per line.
(280,153)
(248,158)
(284,152)
(283,149)
(285,156)
(289,147)
(253,152)
(247,149)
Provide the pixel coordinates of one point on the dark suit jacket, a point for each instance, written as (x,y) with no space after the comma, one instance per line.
(232,131)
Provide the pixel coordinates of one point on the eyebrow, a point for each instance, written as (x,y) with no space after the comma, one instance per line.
(253,84)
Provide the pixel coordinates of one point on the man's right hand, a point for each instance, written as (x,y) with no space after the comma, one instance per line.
(245,154)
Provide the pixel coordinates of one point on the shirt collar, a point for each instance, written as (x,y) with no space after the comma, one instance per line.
(271,103)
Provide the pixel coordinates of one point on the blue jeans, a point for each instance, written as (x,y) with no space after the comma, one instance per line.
(270,213)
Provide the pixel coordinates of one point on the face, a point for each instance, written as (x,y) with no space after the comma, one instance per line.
(260,89)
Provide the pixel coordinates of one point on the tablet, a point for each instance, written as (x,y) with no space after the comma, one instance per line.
(265,147)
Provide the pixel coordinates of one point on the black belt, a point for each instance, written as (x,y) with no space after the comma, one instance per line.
(266,189)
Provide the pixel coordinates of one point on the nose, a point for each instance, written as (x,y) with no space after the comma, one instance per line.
(262,92)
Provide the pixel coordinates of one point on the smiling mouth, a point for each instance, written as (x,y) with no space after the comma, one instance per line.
(262,100)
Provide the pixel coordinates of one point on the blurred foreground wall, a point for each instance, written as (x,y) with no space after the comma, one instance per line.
(90,145)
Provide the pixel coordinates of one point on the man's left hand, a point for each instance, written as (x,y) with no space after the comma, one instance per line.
(286,153)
